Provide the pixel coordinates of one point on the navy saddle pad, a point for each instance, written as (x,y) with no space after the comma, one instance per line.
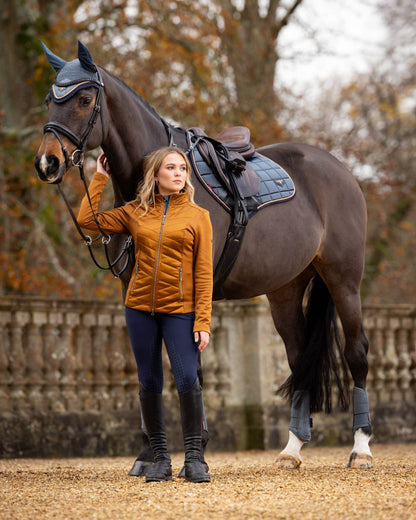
(276,184)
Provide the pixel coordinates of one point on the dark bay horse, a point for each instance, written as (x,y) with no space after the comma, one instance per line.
(312,245)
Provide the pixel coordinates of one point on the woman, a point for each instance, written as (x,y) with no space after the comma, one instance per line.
(169,295)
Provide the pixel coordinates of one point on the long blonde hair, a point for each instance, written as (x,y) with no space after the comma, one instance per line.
(147,190)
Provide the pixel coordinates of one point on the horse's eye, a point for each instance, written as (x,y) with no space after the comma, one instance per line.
(47,100)
(84,101)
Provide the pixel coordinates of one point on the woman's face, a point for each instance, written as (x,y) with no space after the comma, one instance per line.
(172,174)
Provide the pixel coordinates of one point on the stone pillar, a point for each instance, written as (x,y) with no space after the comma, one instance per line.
(100,361)
(68,361)
(117,363)
(17,362)
(5,377)
(404,375)
(35,366)
(84,365)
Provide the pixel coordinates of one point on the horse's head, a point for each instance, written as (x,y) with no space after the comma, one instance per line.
(74,104)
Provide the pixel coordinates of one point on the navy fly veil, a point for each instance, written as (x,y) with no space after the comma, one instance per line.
(72,75)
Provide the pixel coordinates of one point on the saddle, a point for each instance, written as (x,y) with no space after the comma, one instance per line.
(226,154)
(237,139)
(241,180)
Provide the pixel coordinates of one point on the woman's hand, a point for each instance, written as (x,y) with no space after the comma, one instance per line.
(202,338)
(102,165)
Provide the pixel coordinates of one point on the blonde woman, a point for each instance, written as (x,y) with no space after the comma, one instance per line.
(169,295)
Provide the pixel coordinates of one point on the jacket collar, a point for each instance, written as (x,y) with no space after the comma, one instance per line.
(176,199)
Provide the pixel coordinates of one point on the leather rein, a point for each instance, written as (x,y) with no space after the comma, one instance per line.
(77,159)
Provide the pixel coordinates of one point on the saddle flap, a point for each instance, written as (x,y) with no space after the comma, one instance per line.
(248,182)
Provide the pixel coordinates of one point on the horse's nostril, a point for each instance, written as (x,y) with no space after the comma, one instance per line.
(53,164)
(48,167)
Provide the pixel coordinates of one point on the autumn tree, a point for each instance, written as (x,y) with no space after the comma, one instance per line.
(208,63)
(369,123)
(38,250)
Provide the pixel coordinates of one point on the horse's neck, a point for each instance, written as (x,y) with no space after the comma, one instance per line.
(133,130)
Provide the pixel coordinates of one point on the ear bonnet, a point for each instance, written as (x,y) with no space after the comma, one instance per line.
(73,75)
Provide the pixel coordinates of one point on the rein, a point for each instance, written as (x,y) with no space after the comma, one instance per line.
(77,160)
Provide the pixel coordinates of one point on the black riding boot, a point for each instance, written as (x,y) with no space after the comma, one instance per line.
(191,414)
(152,410)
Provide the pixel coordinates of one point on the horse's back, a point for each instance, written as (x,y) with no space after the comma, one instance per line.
(320,174)
(326,184)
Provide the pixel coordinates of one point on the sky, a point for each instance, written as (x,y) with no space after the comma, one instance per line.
(349,32)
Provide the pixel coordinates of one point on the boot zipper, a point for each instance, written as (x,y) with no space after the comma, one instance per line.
(158,255)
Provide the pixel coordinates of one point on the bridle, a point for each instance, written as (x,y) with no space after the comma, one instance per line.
(77,159)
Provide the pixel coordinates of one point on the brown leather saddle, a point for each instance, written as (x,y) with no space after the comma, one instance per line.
(226,154)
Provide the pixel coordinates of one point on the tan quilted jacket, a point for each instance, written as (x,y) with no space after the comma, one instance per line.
(173,251)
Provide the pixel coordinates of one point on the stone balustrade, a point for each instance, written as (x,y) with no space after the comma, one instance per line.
(67,366)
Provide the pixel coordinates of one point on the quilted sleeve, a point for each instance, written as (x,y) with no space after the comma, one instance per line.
(203,274)
(111,221)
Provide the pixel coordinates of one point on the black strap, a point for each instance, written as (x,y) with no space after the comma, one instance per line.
(233,241)
(105,238)
(228,257)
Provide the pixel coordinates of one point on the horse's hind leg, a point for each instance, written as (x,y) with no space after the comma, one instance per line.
(289,320)
(346,296)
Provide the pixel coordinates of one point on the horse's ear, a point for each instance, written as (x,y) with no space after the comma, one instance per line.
(56,62)
(85,58)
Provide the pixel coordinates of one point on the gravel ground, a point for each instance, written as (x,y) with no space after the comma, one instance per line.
(245,485)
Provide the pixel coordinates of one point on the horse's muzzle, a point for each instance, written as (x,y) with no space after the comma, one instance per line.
(49,169)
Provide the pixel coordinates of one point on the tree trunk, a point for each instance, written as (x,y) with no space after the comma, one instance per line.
(250,41)
(16,67)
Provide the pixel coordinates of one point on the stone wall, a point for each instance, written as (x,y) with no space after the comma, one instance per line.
(68,381)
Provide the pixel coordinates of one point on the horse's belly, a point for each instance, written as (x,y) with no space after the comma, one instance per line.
(280,242)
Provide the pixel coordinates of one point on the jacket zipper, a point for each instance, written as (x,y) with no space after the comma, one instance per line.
(135,276)
(180,283)
(166,206)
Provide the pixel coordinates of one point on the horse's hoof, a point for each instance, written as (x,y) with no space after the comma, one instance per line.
(140,468)
(285,461)
(360,461)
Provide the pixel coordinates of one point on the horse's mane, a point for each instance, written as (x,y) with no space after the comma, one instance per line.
(138,96)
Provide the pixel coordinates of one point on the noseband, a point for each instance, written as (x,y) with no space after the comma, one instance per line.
(77,159)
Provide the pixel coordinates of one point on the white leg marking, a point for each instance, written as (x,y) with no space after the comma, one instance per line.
(293,446)
(361,443)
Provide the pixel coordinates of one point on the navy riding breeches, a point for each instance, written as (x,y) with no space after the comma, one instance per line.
(146,332)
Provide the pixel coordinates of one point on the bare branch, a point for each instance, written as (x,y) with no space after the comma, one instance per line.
(285,20)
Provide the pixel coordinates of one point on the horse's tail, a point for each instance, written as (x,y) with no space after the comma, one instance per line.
(321,362)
